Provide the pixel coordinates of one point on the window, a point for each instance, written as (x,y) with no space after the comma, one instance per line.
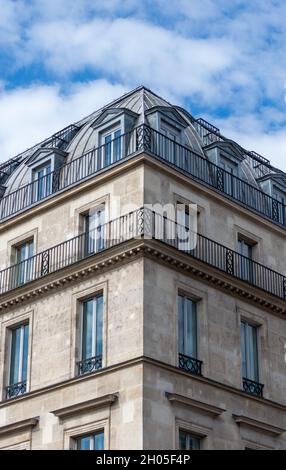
(42,182)
(186,227)
(187,327)
(91,442)
(94,230)
(24,262)
(245,263)
(231,168)
(92,332)
(188,335)
(170,147)
(188,441)
(18,361)
(112,147)
(249,351)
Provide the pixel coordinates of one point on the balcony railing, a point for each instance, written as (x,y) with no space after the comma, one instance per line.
(89,365)
(252,388)
(139,224)
(140,139)
(190,364)
(14,390)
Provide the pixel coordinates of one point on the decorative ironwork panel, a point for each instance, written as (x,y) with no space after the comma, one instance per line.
(143,138)
(140,221)
(90,365)
(229,261)
(253,388)
(220,179)
(284,287)
(15,390)
(275,210)
(190,364)
(45,265)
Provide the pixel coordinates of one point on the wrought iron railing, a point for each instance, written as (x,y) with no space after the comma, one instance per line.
(144,223)
(89,365)
(252,388)
(15,390)
(190,364)
(144,138)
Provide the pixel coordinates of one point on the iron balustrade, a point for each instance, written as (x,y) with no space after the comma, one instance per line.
(252,388)
(190,364)
(89,365)
(144,223)
(145,139)
(15,390)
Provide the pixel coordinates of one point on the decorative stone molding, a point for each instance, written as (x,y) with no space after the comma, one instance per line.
(68,411)
(214,411)
(259,425)
(19,426)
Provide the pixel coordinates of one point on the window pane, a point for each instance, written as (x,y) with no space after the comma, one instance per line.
(181,324)
(15,356)
(99,441)
(188,442)
(107,149)
(99,325)
(87,339)
(25,352)
(117,145)
(183,440)
(85,443)
(191,328)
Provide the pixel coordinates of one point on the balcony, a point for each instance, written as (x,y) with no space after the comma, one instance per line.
(143,223)
(89,365)
(190,364)
(15,390)
(146,139)
(252,388)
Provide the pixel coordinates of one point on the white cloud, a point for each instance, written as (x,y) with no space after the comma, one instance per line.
(29,115)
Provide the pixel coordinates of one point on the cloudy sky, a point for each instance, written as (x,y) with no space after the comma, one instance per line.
(225,61)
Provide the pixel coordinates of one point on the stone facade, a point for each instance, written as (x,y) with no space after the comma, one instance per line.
(140,398)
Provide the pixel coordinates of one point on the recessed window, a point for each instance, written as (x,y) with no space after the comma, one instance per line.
(245,262)
(91,335)
(188,441)
(18,361)
(112,148)
(94,230)
(188,347)
(250,364)
(173,136)
(91,442)
(231,168)
(24,262)
(42,182)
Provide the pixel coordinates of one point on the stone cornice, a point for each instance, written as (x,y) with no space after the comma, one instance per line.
(258,425)
(19,426)
(153,249)
(199,405)
(100,402)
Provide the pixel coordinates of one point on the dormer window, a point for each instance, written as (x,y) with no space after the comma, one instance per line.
(42,182)
(112,146)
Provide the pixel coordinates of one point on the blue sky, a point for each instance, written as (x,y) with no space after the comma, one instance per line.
(224,61)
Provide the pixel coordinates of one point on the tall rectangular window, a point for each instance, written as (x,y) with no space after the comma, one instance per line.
(187,326)
(18,361)
(249,351)
(188,441)
(24,268)
(231,169)
(170,147)
(92,333)
(112,147)
(246,265)
(42,182)
(94,230)
(91,442)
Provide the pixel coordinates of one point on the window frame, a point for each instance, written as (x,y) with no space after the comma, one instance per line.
(195,302)
(247,354)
